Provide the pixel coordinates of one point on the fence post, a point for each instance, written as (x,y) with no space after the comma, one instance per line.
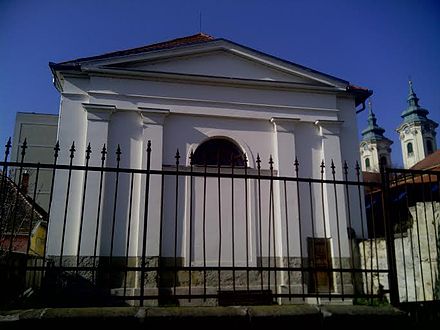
(389,237)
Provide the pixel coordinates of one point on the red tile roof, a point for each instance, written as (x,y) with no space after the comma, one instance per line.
(193,39)
(431,162)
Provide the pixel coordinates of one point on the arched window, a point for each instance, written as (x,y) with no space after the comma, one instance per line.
(429,147)
(409,149)
(383,161)
(218,151)
(367,163)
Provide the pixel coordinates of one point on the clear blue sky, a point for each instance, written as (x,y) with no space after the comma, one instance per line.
(376,44)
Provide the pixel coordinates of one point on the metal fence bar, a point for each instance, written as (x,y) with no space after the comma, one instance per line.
(260,231)
(83,203)
(66,204)
(232,223)
(418,243)
(427,236)
(399,219)
(190,222)
(145,229)
(329,262)
(338,227)
(127,247)
(389,235)
(298,200)
(246,201)
(411,240)
(219,224)
(98,212)
(115,203)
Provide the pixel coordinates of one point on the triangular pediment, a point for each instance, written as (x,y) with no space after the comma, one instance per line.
(220,63)
(216,58)
(208,60)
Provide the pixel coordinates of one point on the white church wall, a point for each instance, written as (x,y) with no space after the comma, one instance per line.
(181,116)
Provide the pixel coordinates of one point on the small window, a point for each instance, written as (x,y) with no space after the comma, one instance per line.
(383,161)
(218,151)
(409,149)
(429,147)
(367,163)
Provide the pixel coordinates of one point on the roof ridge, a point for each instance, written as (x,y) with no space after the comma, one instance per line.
(191,39)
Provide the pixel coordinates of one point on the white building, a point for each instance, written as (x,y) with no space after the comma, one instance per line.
(40,132)
(199,94)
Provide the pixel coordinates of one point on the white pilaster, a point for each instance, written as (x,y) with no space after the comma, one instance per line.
(152,121)
(98,118)
(331,151)
(284,159)
(72,128)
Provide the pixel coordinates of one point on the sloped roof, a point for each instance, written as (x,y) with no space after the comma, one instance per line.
(183,41)
(360,93)
(431,162)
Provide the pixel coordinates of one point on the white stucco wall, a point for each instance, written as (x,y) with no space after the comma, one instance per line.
(283,122)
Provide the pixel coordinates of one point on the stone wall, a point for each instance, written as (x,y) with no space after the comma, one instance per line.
(417,256)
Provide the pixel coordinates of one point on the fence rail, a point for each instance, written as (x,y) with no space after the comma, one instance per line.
(226,234)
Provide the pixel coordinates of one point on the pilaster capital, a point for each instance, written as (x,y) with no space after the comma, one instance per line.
(329,127)
(152,116)
(99,112)
(283,124)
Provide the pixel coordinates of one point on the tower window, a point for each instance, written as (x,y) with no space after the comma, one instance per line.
(367,163)
(409,149)
(429,147)
(383,161)
(218,151)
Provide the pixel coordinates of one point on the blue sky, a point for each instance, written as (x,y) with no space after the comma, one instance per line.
(376,44)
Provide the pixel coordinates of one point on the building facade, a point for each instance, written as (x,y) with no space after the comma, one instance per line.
(209,99)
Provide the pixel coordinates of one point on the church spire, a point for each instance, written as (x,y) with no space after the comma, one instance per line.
(373,131)
(417,131)
(414,112)
(372,121)
(375,147)
(413,100)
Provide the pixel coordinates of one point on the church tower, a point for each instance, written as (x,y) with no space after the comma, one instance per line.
(375,147)
(417,132)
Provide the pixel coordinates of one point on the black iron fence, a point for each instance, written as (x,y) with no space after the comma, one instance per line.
(197,233)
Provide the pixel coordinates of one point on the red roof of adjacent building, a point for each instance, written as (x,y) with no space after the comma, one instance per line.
(431,162)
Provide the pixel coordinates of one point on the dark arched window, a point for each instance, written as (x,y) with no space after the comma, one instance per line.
(218,151)
(367,163)
(429,147)
(383,161)
(409,149)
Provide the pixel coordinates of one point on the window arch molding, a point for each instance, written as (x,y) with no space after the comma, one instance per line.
(224,142)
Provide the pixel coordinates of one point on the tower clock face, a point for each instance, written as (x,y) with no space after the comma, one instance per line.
(407,130)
